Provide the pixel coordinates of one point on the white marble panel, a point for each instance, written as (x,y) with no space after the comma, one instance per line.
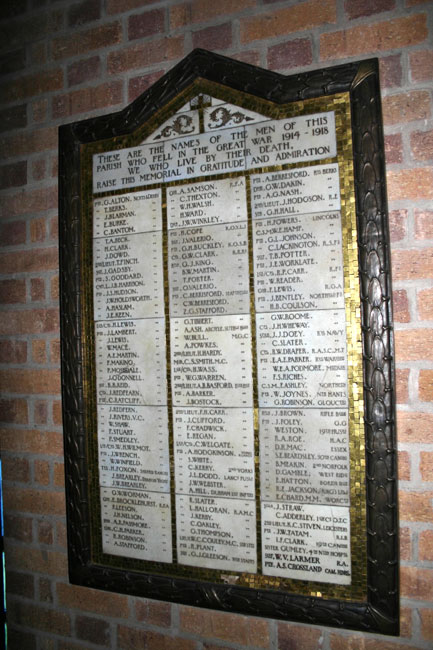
(184,122)
(211,361)
(209,270)
(130,362)
(229,115)
(304,454)
(130,519)
(127,214)
(306,542)
(298,262)
(291,140)
(214,452)
(295,191)
(206,203)
(216,533)
(310,344)
(128,276)
(133,447)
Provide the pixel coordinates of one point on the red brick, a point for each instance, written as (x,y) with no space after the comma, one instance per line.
(414,345)
(45,561)
(405,622)
(425,545)
(16,469)
(92,629)
(41,470)
(410,184)
(84,70)
(39,169)
(30,381)
(426,623)
(390,71)
(45,594)
(421,144)
(403,466)
(224,626)
(295,637)
(138,85)
(73,597)
(55,351)
(204,10)
(298,17)
(12,291)
(87,99)
(13,351)
(416,583)
(26,143)
(37,289)
(415,427)
(146,24)
(153,612)
(413,3)
(12,233)
(406,107)
(59,475)
(31,85)
(402,385)
(426,465)
(12,61)
(140,56)
(24,202)
(374,37)
(40,110)
(249,56)
(57,413)
(13,118)
(218,37)
(39,618)
(412,264)
(425,304)
(290,54)
(13,175)
(421,65)
(30,321)
(21,529)
(13,411)
(45,532)
(20,640)
(36,260)
(54,228)
(38,53)
(425,385)
(39,502)
(37,230)
(20,584)
(40,412)
(61,536)
(92,39)
(130,639)
(405,544)
(115,7)
(416,506)
(84,12)
(401,306)
(360,8)
(423,224)
(393,148)
(358,642)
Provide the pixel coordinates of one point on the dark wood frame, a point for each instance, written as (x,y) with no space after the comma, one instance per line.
(380,611)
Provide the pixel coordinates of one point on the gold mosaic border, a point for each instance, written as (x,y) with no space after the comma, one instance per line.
(340,103)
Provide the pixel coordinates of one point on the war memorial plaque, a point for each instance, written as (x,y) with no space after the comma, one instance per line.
(229,423)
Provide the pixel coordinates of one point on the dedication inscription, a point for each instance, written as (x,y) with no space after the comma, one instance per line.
(221,345)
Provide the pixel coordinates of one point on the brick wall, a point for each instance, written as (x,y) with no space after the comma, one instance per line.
(66,60)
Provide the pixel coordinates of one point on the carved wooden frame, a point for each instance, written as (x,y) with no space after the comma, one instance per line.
(380,611)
